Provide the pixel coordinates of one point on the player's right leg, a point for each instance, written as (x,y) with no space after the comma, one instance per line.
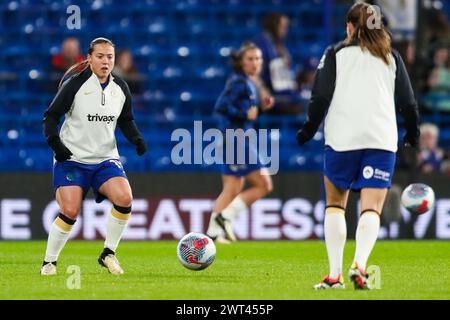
(372,200)
(232,186)
(69,199)
(376,171)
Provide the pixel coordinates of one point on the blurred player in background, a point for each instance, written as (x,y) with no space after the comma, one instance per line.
(93,102)
(237,108)
(355,86)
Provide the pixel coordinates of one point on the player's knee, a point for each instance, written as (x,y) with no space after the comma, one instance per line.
(233,190)
(266,187)
(124,199)
(70,210)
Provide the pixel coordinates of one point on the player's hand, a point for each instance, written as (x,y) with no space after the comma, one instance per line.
(302,137)
(267,102)
(252,113)
(411,140)
(141,146)
(62,153)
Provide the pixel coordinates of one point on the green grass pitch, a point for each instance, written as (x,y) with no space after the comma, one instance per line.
(245,270)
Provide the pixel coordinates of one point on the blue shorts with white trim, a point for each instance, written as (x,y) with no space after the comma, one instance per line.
(71,173)
(358,169)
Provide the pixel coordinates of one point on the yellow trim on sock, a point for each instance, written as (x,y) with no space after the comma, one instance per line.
(334,210)
(63,225)
(118,215)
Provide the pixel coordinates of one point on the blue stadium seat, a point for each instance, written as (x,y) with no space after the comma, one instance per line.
(182,49)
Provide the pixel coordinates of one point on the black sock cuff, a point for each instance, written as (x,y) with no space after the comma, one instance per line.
(370,210)
(66,219)
(107,251)
(123,210)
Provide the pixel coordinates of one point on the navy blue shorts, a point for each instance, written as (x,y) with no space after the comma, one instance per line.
(71,173)
(238,168)
(358,169)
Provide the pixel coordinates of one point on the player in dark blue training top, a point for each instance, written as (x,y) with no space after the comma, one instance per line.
(238,108)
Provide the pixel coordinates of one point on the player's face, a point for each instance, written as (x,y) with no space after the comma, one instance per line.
(252,62)
(102,60)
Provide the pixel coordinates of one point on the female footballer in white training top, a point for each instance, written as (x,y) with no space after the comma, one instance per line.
(93,102)
(355,88)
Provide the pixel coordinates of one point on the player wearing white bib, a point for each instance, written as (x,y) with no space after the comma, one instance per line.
(93,102)
(355,88)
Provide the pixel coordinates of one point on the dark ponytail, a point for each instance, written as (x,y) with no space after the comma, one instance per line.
(83,65)
(236,56)
(375,38)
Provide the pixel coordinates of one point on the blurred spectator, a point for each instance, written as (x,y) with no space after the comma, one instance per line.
(69,55)
(126,69)
(277,74)
(436,23)
(439,79)
(434,33)
(430,156)
(306,76)
(401,16)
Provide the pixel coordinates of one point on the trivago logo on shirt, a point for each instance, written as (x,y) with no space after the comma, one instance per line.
(97,118)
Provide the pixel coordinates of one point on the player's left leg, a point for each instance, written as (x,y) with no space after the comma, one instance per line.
(372,200)
(118,191)
(340,170)
(335,232)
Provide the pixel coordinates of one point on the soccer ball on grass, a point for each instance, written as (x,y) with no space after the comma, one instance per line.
(196,251)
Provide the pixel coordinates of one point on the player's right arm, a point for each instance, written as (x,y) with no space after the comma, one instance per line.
(60,105)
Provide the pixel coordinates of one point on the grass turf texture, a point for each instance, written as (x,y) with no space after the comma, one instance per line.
(245,270)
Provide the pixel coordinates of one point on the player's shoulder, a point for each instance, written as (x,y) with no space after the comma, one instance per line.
(121,83)
(235,83)
(336,47)
(77,80)
(238,80)
(331,51)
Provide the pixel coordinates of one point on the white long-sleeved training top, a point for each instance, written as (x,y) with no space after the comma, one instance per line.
(91,116)
(355,92)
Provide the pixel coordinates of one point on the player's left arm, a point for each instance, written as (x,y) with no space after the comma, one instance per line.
(406,102)
(127,124)
(321,96)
